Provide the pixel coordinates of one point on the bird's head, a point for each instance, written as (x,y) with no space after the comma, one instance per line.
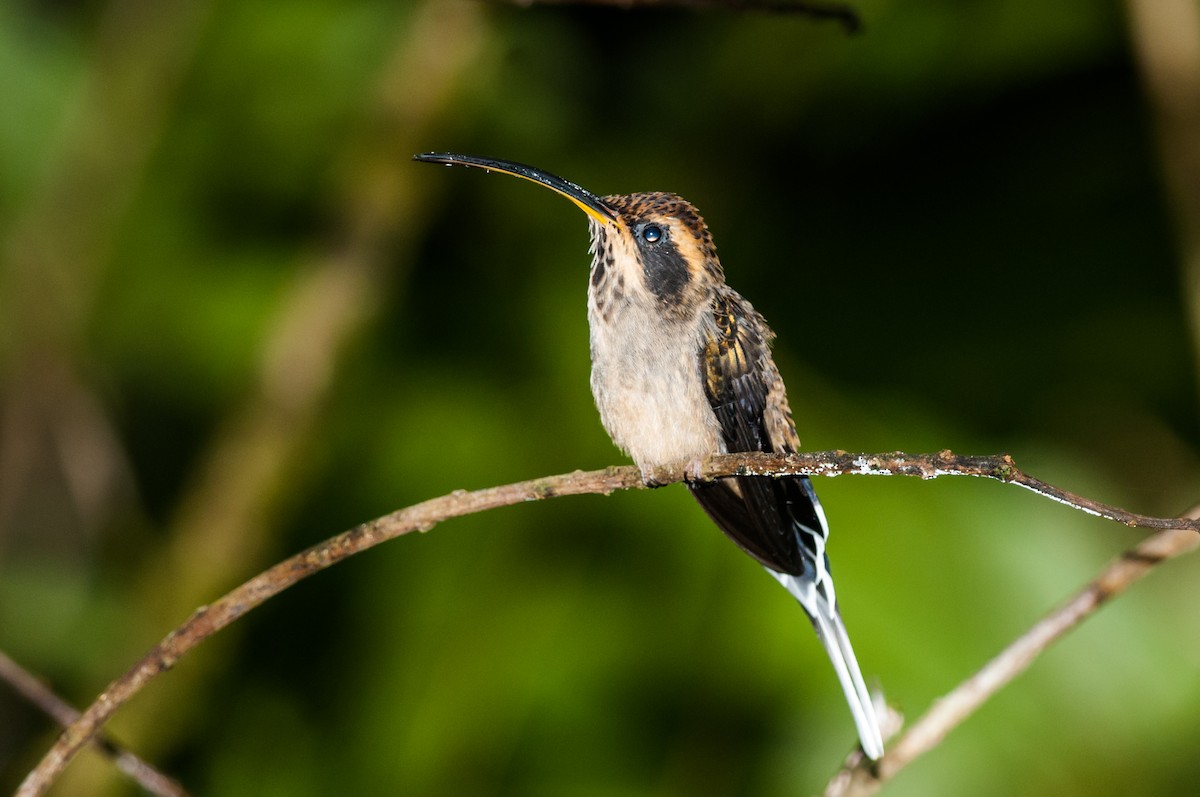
(651,246)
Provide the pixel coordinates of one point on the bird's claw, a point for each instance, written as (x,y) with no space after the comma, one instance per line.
(693,472)
(648,477)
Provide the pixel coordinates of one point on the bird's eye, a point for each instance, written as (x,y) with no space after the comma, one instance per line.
(652,233)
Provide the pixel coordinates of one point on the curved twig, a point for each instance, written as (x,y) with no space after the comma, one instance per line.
(930,466)
(207,620)
(33,689)
(857,779)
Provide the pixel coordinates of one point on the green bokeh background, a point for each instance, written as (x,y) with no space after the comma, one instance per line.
(235,320)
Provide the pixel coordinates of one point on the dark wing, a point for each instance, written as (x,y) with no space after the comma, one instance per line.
(777,521)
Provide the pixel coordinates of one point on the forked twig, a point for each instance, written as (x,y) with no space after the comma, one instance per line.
(207,620)
(30,687)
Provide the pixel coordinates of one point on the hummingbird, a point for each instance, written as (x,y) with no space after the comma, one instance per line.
(681,370)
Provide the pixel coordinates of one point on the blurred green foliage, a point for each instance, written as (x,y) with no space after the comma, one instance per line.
(953,221)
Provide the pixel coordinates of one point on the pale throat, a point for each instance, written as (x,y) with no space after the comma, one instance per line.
(646,371)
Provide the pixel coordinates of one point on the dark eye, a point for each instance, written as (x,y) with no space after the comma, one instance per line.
(652,233)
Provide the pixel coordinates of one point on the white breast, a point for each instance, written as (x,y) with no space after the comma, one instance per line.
(648,386)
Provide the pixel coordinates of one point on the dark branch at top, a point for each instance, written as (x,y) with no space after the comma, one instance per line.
(842,13)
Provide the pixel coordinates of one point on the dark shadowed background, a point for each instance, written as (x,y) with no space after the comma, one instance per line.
(235,319)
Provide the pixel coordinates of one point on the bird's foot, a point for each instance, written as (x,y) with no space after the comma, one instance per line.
(648,477)
(694,471)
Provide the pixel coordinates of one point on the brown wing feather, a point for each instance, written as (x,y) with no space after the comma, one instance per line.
(774,520)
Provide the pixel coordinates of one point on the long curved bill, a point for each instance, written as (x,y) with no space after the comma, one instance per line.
(588,202)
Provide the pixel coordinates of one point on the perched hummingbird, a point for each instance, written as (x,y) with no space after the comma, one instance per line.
(682,369)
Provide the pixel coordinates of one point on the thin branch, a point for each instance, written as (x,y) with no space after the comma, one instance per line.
(930,466)
(30,687)
(207,620)
(858,780)
(842,13)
